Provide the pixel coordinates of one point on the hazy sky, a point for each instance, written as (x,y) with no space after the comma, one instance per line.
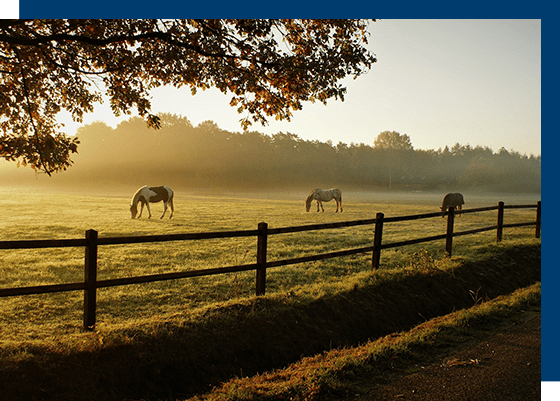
(438,81)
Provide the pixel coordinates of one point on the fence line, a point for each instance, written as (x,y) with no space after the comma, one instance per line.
(92,242)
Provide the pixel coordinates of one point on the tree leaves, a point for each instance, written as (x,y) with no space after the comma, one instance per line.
(269,66)
(392,140)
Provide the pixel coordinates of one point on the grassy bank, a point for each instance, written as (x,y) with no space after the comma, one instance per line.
(336,374)
(190,350)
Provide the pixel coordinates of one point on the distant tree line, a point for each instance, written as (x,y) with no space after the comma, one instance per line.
(206,156)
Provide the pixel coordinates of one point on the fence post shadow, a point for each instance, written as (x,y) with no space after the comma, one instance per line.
(449,234)
(262,243)
(90,292)
(500,230)
(377,238)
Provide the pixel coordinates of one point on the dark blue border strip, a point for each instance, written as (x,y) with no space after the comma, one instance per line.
(550,273)
(253,9)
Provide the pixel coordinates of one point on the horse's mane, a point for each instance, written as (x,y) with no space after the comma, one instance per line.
(136,195)
(310,197)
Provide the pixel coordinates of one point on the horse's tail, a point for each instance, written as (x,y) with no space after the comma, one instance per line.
(339,193)
(170,202)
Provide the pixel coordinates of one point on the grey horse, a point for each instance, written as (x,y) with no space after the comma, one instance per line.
(324,195)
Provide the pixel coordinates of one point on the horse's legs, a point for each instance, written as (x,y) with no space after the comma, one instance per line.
(141,209)
(322,208)
(172,208)
(338,201)
(164,209)
(149,211)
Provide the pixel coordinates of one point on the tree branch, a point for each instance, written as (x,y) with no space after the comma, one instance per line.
(163,36)
(30,113)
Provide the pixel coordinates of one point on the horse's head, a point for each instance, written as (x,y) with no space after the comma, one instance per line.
(133,211)
(308,203)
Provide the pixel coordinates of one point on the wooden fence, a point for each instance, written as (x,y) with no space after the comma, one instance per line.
(91,242)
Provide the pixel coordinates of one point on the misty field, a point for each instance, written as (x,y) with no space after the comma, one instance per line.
(27,214)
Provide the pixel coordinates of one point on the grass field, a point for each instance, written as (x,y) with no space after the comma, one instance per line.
(58,215)
(174,339)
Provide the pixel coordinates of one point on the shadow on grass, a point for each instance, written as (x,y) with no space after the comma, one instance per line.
(179,358)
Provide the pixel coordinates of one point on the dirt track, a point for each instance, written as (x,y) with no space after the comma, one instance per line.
(504,367)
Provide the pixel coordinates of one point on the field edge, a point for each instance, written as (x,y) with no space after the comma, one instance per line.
(186,355)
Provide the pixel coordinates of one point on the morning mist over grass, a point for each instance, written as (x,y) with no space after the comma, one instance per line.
(206,157)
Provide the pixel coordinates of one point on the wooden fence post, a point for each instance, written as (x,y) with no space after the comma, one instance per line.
(377,237)
(538,225)
(262,240)
(500,230)
(90,293)
(449,234)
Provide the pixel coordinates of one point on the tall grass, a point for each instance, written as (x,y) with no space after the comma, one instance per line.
(27,215)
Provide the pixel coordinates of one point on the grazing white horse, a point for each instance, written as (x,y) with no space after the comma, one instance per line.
(322,195)
(146,194)
(453,199)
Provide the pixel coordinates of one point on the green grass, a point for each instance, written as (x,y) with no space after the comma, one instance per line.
(44,215)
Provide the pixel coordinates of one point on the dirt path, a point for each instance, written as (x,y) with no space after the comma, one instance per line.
(504,367)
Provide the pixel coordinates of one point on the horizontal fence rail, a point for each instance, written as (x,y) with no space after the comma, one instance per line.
(92,242)
(175,237)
